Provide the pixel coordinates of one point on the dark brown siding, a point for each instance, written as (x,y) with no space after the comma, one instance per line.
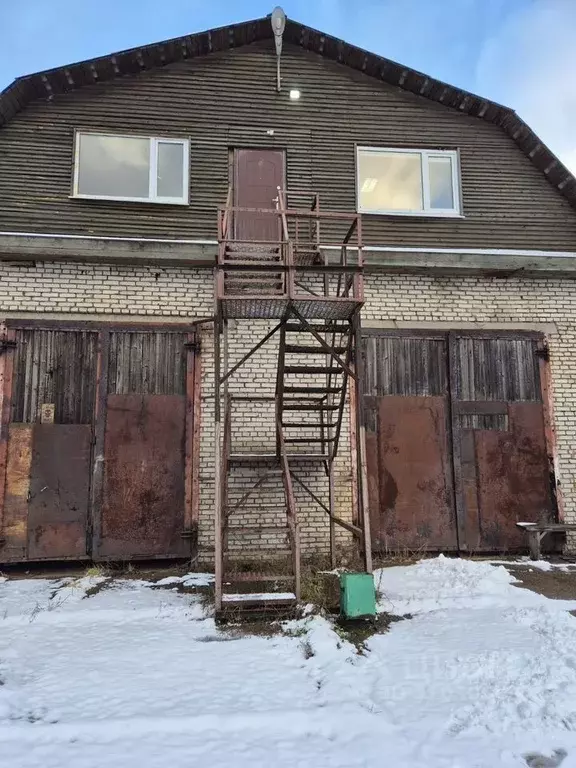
(227,100)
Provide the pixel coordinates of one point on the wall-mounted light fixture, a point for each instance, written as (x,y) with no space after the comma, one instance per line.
(278,20)
(294,94)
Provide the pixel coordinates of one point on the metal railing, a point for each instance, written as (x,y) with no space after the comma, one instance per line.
(299,264)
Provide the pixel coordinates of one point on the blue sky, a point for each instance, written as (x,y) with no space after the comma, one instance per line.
(519,52)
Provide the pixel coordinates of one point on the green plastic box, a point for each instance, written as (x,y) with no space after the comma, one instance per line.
(357,595)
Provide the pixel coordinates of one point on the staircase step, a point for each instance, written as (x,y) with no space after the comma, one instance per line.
(289,406)
(309,440)
(252,255)
(256,285)
(320,328)
(238,267)
(258,527)
(314,390)
(248,278)
(306,350)
(243,576)
(252,248)
(257,607)
(260,289)
(315,369)
(261,505)
(307,425)
(252,275)
(256,458)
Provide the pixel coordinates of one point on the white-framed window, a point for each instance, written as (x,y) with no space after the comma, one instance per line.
(131,168)
(408,182)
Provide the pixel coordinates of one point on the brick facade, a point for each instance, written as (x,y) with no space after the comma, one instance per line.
(178,294)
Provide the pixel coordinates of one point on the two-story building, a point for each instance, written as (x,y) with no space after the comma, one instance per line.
(457,287)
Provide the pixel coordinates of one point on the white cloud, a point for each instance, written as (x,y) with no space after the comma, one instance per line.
(529,63)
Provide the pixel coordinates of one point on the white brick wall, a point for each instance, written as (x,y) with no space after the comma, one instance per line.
(104,291)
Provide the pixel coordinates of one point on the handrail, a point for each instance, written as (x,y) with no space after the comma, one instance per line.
(227,438)
(293,223)
(291,508)
(281,207)
(227,208)
(302,212)
(350,231)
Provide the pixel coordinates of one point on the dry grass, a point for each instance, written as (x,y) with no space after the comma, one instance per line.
(320,589)
(101,571)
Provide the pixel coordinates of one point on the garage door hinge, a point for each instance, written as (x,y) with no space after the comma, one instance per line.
(6,344)
(194,346)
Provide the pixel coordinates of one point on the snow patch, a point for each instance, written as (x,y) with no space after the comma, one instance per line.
(453,583)
(481,675)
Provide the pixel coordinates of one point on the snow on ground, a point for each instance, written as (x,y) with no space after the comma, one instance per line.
(118,672)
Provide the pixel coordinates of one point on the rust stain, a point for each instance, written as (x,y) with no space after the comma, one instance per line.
(409,479)
(59,490)
(513,483)
(550,430)
(144,487)
(19,460)
(192,466)
(6,378)
(353,410)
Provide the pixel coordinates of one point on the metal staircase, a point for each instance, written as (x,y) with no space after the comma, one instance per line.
(312,287)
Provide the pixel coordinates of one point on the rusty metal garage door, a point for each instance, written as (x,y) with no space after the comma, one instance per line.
(97,441)
(46,443)
(456,440)
(143,504)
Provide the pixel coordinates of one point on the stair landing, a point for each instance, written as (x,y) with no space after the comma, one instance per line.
(259,307)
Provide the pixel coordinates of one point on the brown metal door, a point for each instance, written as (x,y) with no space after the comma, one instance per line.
(145,446)
(502,470)
(408,443)
(257,175)
(46,442)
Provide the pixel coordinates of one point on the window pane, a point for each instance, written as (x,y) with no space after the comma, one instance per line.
(170,170)
(440,173)
(390,181)
(114,166)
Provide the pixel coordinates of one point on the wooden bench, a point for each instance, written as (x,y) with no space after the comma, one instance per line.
(537,531)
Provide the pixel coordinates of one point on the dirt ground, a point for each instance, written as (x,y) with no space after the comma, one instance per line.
(146,570)
(556,584)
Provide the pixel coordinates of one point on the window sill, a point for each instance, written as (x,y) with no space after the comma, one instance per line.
(414,215)
(141,200)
